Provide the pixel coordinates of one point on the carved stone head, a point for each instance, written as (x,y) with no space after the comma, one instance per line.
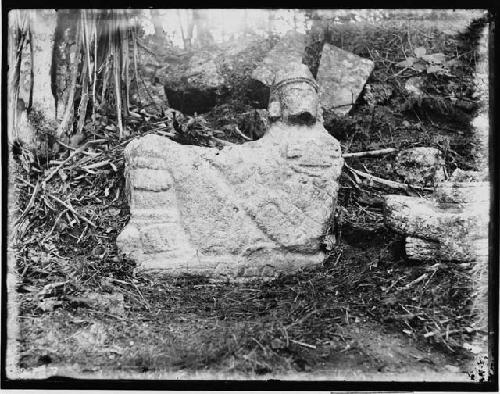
(294,96)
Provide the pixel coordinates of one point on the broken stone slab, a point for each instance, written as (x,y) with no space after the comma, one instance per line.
(246,211)
(452,225)
(423,166)
(290,49)
(341,78)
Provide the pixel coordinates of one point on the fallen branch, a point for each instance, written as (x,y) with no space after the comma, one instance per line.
(73,154)
(419,279)
(240,133)
(223,142)
(70,208)
(439,332)
(31,203)
(97,165)
(386,182)
(66,205)
(370,153)
(303,344)
(301,320)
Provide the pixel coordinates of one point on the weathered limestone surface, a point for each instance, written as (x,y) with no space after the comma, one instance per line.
(420,166)
(341,77)
(249,210)
(294,95)
(453,225)
(290,49)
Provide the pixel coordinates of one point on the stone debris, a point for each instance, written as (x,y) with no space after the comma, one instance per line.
(249,210)
(377,93)
(422,166)
(341,78)
(451,226)
(414,86)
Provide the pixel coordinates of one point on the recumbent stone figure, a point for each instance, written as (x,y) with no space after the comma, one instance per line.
(250,210)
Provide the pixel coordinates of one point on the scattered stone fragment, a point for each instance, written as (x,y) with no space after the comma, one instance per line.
(341,78)
(49,304)
(414,86)
(377,93)
(423,166)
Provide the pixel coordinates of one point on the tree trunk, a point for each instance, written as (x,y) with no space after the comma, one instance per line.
(43,26)
(203,35)
(187,34)
(15,45)
(63,52)
(158,26)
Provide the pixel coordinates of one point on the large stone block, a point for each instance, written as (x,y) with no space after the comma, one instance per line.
(244,211)
(341,78)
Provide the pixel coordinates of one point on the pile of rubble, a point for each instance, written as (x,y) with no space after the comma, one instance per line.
(202,83)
